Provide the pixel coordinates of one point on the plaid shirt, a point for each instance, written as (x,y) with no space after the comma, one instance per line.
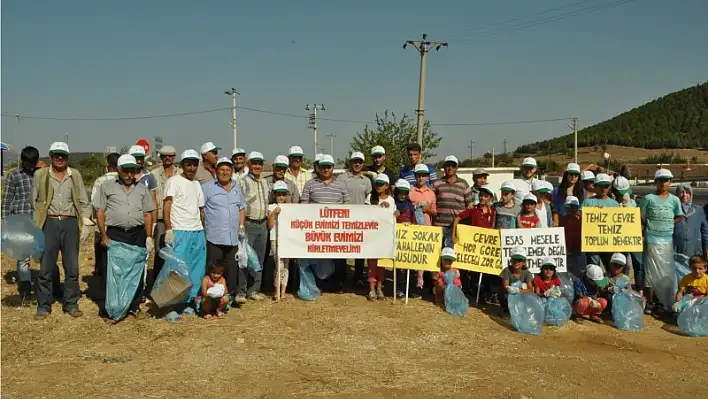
(17,197)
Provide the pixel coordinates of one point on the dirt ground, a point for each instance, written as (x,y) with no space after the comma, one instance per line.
(622,153)
(340,346)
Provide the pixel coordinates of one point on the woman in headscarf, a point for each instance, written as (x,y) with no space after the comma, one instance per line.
(569,185)
(691,234)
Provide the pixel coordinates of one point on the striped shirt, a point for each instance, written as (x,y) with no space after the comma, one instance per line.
(255,193)
(319,192)
(451,198)
(408,175)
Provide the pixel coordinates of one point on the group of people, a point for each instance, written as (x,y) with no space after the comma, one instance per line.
(205,207)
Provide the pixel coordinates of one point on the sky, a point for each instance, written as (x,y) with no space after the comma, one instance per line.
(101,59)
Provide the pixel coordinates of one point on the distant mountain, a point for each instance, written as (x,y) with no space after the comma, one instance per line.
(677,120)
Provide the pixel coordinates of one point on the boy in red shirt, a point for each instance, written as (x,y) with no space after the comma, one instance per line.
(528,219)
(481,215)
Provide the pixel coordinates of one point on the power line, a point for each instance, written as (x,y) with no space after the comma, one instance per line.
(125,118)
(549,19)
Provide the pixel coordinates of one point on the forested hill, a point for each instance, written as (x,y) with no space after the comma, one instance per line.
(677,120)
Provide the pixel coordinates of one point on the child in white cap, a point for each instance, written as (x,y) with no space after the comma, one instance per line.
(588,290)
(528,219)
(381,196)
(281,195)
(571,223)
(516,272)
(447,257)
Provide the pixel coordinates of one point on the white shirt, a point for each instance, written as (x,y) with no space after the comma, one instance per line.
(391,202)
(240,175)
(542,214)
(523,188)
(187,198)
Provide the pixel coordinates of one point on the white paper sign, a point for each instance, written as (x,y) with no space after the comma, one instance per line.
(539,244)
(336,231)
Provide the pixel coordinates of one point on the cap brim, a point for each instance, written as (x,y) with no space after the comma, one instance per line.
(548,265)
(487,191)
(225,163)
(603,183)
(518,257)
(128,165)
(403,189)
(326,163)
(378,153)
(163,154)
(448,257)
(529,165)
(295,154)
(280,165)
(256,159)
(190,158)
(357,159)
(602,283)
(281,190)
(381,181)
(59,152)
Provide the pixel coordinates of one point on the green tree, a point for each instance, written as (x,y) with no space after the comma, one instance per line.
(394,134)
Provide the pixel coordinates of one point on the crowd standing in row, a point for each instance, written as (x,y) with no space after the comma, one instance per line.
(205,206)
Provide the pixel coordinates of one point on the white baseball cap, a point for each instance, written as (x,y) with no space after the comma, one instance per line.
(619,259)
(190,154)
(59,147)
(382,178)
(530,197)
(572,200)
(603,178)
(529,161)
(518,253)
(488,188)
(378,150)
(422,169)
(480,172)
(663,174)
(357,155)
(209,146)
(402,184)
(595,273)
(451,158)
(127,161)
(295,151)
(326,160)
(318,156)
(167,150)
(281,160)
(280,186)
(508,186)
(587,175)
(573,168)
(137,151)
(238,151)
(548,262)
(541,186)
(621,184)
(224,160)
(448,253)
(255,156)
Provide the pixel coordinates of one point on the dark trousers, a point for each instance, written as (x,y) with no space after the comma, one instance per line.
(257,234)
(159,236)
(59,235)
(134,236)
(226,256)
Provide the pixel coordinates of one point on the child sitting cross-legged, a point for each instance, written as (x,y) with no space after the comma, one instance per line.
(588,288)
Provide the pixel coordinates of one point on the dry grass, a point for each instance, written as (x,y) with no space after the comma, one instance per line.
(621,153)
(340,346)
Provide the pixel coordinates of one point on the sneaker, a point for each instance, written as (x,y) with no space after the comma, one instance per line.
(255,297)
(74,313)
(41,314)
(380,295)
(400,294)
(415,294)
(240,299)
(139,315)
(372,295)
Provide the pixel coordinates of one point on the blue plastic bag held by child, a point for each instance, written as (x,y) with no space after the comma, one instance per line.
(527,312)
(693,316)
(681,266)
(308,290)
(419,216)
(567,286)
(173,284)
(251,256)
(557,308)
(21,238)
(126,264)
(627,307)
(456,302)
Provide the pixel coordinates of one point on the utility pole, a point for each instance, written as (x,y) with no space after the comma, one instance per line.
(232,92)
(423,46)
(492,157)
(66,138)
(471,149)
(504,146)
(575,137)
(331,143)
(313,120)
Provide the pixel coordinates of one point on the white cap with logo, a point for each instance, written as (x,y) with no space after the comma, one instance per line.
(508,186)
(587,175)
(326,160)
(295,151)
(572,200)
(280,186)
(619,259)
(402,184)
(531,197)
(382,178)
(127,161)
(208,147)
(451,159)
(238,151)
(281,161)
(378,150)
(356,155)
(190,154)
(663,174)
(59,147)
(224,160)
(448,253)
(421,168)
(573,168)
(529,162)
(167,150)
(603,178)
(137,151)
(255,156)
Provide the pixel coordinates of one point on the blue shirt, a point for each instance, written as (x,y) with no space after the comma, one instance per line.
(659,215)
(594,202)
(148,180)
(222,212)
(408,174)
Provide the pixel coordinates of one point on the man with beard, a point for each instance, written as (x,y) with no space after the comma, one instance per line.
(124,211)
(238,158)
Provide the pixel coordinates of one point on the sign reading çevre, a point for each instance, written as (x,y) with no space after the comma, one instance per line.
(612,230)
(539,244)
(478,249)
(336,231)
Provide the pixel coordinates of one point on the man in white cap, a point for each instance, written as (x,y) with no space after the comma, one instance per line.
(239,159)
(63,211)
(359,187)
(224,221)
(316,164)
(528,169)
(296,172)
(280,166)
(453,195)
(415,151)
(378,153)
(480,176)
(167,168)
(183,214)
(256,192)
(124,214)
(207,170)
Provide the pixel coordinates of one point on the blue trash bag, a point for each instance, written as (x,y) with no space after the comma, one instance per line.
(172,286)
(21,238)
(557,311)
(323,268)
(456,302)
(253,262)
(527,313)
(627,307)
(693,319)
(419,216)
(681,265)
(308,290)
(124,272)
(567,286)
